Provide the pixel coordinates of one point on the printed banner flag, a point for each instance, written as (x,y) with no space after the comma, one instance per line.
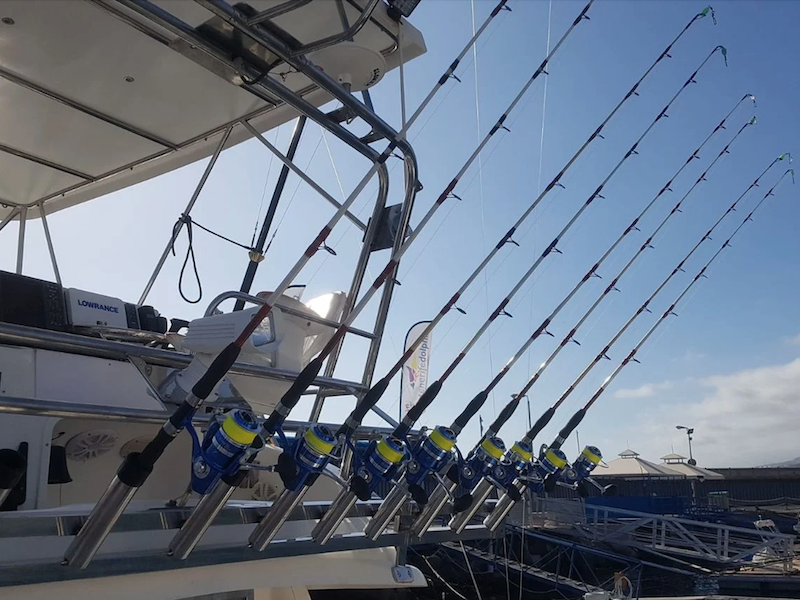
(414,378)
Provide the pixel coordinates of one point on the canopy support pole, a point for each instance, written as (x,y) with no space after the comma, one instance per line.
(49,240)
(23,218)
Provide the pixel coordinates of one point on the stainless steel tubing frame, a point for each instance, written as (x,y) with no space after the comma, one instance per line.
(303,65)
(71,410)
(271,42)
(348,33)
(480,494)
(269,89)
(29,337)
(275,11)
(212,306)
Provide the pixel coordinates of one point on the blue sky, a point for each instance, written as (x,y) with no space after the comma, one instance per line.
(727,366)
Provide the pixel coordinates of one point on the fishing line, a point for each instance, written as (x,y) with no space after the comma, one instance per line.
(291,198)
(535,224)
(471,574)
(480,187)
(264,191)
(505,557)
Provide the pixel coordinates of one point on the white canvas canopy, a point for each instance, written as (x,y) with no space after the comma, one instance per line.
(90,104)
(676,462)
(630,464)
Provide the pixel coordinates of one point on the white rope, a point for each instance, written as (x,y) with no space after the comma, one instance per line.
(471,574)
(623,588)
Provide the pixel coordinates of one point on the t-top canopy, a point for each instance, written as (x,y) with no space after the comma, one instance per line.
(95,97)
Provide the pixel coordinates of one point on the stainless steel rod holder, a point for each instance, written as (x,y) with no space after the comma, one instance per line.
(331,520)
(269,526)
(480,493)
(388,509)
(432,509)
(99,524)
(200,520)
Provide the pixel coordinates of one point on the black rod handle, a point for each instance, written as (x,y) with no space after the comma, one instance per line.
(416,411)
(504,415)
(541,423)
(292,396)
(470,411)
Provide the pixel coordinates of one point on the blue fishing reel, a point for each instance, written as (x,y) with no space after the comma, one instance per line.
(576,475)
(222,449)
(428,456)
(304,458)
(379,463)
(551,463)
(470,471)
(516,461)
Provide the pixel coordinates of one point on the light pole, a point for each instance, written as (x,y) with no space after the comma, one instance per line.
(528,400)
(689,432)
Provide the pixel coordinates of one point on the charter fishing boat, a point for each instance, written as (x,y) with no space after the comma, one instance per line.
(148,455)
(105,95)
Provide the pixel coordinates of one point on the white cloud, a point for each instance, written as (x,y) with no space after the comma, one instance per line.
(794,341)
(747,418)
(648,390)
(692,356)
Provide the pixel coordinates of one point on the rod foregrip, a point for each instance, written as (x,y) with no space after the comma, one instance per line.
(416,411)
(504,415)
(221,365)
(541,423)
(472,408)
(369,400)
(290,399)
(155,448)
(574,421)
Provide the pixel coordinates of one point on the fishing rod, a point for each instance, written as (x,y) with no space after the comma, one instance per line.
(290,468)
(481,458)
(443,439)
(137,467)
(647,244)
(440,496)
(380,387)
(554,460)
(394,447)
(264,532)
(413,486)
(521,482)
